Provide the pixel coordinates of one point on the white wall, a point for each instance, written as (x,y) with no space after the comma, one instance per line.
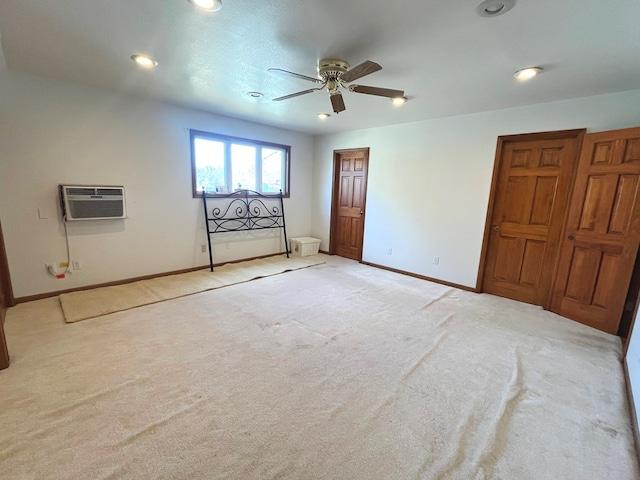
(57,133)
(427,194)
(429,181)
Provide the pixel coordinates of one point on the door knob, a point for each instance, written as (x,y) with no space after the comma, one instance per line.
(570,237)
(361,213)
(496,228)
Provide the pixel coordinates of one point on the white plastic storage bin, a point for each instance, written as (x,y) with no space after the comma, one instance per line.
(305,246)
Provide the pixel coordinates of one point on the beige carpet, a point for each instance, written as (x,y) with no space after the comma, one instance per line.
(86,304)
(340,371)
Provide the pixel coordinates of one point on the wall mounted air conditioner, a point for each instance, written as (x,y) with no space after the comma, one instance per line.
(84,202)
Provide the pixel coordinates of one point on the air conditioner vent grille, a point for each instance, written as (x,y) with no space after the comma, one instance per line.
(96,209)
(109,191)
(80,191)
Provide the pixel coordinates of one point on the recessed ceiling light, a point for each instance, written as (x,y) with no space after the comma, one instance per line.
(144,61)
(527,73)
(399,100)
(493,8)
(207,5)
(255,94)
(323,116)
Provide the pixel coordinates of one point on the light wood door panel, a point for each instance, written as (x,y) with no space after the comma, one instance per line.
(603,231)
(531,192)
(349,202)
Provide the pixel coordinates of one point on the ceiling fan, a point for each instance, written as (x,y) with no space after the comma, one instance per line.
(335,74)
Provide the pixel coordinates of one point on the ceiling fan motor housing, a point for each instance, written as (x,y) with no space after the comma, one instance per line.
(331,69)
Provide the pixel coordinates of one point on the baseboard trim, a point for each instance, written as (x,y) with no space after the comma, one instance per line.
(41,296)
(422,277)
(632,408)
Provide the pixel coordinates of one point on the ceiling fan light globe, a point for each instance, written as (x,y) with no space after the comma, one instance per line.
(399,100)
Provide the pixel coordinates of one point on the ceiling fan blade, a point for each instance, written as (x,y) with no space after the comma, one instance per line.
(280,71)
(337,102)
(365,68)
(381,92)
(297,94)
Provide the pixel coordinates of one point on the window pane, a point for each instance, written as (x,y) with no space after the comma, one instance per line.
(223,164)
(209,159)
(272,169)
(243,167)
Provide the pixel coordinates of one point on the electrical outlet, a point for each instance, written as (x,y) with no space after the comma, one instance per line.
(49,267)
(203,248)
(436,260)
(77,265)
(390,251)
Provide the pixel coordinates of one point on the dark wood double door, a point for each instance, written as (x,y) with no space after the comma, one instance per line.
(564,222)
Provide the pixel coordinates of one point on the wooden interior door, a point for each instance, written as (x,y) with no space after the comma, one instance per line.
(349,198)
(530,194)
(6,300)
(603,231)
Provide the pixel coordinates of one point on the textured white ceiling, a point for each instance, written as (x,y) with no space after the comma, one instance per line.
(448,59)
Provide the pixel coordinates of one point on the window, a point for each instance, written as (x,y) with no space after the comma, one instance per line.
(222,164)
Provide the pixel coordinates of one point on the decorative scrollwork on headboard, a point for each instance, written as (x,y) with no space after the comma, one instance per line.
(244,210)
